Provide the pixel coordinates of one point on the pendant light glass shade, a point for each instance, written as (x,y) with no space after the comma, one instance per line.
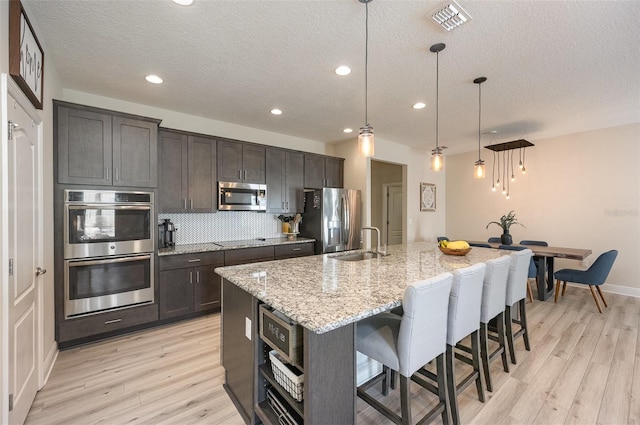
(437,159)
(478,168)
(366,145)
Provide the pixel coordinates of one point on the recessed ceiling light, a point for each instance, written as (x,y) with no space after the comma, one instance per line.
(347,130)
(183,2)
(153,79)
(419,105)
(343,70)
(276,111)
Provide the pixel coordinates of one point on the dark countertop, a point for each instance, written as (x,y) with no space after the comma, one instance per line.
(226,245)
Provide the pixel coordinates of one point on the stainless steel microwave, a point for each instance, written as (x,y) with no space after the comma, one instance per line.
(242,196)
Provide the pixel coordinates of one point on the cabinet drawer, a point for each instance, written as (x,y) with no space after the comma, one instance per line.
(293,250)
(179,261)
(248,255)
(96,324)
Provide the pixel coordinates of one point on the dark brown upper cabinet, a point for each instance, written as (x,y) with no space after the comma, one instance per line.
(323,171)
(285,173)
(187,172)
(241,162)
(105,148)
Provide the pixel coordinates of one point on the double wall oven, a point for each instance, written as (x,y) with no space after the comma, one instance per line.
(109,239)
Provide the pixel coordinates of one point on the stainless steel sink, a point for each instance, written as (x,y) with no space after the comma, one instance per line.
(357,256)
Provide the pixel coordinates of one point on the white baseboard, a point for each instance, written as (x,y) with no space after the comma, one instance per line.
(49,362)
(613,289)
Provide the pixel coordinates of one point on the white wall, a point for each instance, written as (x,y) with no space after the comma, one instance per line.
(180,121)
(419,225)
(580,191)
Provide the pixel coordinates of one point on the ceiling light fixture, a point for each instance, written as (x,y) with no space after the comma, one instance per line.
(419,105)
(507,161)
(347,130)
(437,159)
(276,111)
(183,2)
(450,16)
(343,70)
(153,79)
(478,169)
(366,145)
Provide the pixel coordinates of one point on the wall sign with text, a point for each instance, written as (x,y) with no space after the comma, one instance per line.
(26,58)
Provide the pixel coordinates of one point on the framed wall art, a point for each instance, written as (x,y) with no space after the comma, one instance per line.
(427,197)
(26,57)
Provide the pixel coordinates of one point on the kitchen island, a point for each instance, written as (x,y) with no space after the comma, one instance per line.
(326,297)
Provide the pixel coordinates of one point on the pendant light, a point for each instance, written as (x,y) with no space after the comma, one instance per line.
(437,159)
(478,169)
(366,145)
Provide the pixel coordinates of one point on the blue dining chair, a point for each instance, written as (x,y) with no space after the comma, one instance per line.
(494,240)
(479,245)
(442,238)
(536,243)
(594,276)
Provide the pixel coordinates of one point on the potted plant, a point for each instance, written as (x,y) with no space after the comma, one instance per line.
(506,221)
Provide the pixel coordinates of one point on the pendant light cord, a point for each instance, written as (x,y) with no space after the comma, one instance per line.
(437,95)
(479,115)
(366,66)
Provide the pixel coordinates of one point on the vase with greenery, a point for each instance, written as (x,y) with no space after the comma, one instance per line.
(506,221)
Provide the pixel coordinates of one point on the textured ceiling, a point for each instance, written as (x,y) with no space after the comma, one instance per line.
(553,67)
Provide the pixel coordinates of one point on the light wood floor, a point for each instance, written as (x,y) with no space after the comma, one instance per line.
(584,368)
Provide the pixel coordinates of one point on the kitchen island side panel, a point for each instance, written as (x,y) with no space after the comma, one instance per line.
(330,376)
(237,351)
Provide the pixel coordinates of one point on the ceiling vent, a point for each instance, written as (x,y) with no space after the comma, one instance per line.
(450,15)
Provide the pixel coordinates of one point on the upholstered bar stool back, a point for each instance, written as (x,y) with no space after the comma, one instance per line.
(407,343)
(517,284)
(464,320)
(494,293)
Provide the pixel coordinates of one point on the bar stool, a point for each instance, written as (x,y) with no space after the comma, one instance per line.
(532,270)
(405,344)
(494,294)
(464,320)
(517,285)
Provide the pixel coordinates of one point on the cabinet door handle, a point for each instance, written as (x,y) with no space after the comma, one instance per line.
(190,278)
(190,204)
(195,260)
(116,174)
(185,203)
(198,276)
(296,249)
(109,322)
(245,174)
(106,169)
(282,204)
(239,174)
(287,205)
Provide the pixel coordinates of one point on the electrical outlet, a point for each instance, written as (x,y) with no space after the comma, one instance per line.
(247,328)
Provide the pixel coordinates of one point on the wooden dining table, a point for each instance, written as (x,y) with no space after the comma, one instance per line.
(544,256)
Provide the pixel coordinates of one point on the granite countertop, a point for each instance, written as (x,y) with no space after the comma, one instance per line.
(322,293)
(226,245)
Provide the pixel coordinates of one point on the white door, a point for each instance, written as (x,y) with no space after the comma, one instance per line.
(393,212)
(24,190)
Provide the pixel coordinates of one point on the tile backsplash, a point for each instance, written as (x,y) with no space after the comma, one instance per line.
(223,226)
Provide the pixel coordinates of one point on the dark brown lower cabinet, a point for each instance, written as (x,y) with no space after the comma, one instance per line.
(188,284)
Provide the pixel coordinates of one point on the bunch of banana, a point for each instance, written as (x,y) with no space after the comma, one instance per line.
(454,244)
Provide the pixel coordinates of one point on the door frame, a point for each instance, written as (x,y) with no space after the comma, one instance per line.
(385,207)
(8,86)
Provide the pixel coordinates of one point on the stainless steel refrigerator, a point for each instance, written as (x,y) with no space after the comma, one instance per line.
(333,217)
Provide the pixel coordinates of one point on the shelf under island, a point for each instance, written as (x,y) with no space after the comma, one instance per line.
(323,298)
